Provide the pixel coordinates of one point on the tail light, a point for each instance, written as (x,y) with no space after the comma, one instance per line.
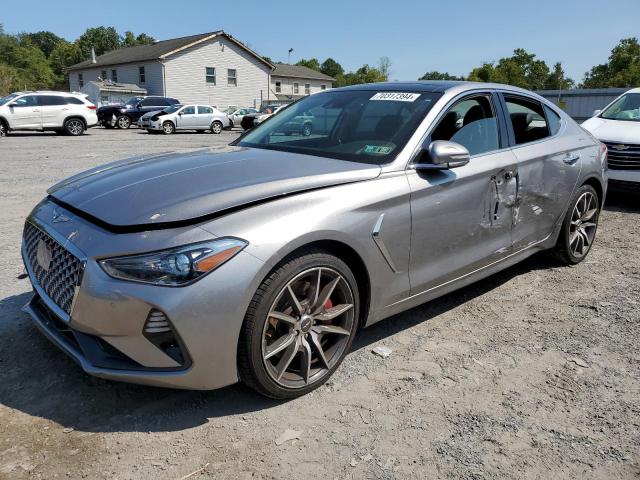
(91,107)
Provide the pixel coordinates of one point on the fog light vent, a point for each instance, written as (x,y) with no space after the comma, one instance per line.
(157,322)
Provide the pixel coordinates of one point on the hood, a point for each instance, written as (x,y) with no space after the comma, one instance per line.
(621,131)
(160,191)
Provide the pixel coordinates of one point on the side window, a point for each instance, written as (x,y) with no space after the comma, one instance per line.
(527,119)
(188,111)
(114,76)
(202,110)
(74,101)
(51,100)
(553,119)
(26,101)
(472,123)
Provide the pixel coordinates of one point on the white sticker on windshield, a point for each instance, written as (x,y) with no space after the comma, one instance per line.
(396,96)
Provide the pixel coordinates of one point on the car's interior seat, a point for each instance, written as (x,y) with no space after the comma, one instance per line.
(520,122)
(446,128)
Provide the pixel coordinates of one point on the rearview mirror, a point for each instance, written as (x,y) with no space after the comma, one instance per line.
(443,155)
(596,113)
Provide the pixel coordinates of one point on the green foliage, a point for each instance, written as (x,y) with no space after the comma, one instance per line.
(23,65)
(439,76)
(522,69)
(45,41)
(130,40)
(622,69)
(557,80)
(311,63)
(102,39)
(332,68)
(365,74)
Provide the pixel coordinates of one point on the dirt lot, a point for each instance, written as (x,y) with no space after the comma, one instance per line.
(533,373)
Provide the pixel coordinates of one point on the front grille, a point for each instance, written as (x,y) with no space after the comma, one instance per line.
(64,271)
(623,156)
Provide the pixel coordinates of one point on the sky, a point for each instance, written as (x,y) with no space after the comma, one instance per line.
(417,35)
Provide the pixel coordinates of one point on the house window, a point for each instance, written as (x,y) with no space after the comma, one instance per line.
(114,76)
(81,80)
(210,75)
(232,77)
(141,76)
(103,75)
(296,88)
(278,87)
(323,87)
(307,88)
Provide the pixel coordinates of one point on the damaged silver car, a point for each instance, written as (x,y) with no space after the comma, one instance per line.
(262,263)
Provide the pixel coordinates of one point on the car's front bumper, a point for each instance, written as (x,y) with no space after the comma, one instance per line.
(624,175)
(104,330)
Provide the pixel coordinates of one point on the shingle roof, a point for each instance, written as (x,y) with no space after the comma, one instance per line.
(297,71)
(154,51)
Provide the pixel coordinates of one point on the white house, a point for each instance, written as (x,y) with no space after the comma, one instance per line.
(211,68)
(291,82)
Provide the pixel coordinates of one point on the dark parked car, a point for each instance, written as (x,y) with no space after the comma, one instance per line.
(122,116)
(253,119)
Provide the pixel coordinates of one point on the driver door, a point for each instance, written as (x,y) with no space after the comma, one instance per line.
(187,118)
(25,113)
(462,218)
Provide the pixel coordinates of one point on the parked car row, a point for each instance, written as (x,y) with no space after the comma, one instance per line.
(185,117)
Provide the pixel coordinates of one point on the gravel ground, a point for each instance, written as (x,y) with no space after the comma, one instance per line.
(532,373)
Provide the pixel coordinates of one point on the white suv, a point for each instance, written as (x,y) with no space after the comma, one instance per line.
(62,112)
(618,127)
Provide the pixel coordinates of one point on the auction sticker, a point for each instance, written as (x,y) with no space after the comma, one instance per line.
(395,96)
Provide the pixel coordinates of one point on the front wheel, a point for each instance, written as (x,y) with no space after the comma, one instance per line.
(3,129)
(299,325)
(168,128)
(74,127)
(216,127)
(123,122)
(579,226)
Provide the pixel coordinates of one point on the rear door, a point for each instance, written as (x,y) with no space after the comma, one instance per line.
(25,113)
(204,116)
(54,108)
(549,165)
(462,218)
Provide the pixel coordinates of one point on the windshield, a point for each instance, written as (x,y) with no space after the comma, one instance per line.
(7,99)
(172,108)
(356,125)
(627,107)
(133,100)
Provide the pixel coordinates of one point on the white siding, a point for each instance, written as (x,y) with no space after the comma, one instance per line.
(126,74)
(287,87)
(185,75)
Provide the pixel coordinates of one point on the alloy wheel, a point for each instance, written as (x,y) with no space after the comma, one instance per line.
(124,122)
(75,127)
(584,221)
(308,327)
(167,128)
(3,129)
(216,127)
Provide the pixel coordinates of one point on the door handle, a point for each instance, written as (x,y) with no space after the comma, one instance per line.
(571,158)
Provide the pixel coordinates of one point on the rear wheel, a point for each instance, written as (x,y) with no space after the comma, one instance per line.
(3,128)
(307,129)
(74,127)
(579,226)
(123,122)
(168,128)
(216,127)
(299,325)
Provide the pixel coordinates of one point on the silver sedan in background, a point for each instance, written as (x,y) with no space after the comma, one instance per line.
(185,117)
(262,263)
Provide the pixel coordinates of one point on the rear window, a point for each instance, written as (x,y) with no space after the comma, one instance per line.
(74,101)
(52,100)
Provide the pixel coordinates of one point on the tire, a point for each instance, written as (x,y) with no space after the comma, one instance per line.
(168,128)
(578,227)
(307,129)
(200,131)
(316,344)
(216,127)
(74,127)
(3,128)
(123,122)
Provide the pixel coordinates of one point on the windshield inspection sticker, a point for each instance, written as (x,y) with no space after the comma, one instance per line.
(396,96)
(376,150)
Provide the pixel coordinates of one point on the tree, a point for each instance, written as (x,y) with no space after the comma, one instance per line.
(45,41)
(102,39)
(622,70)
(435,75)
(384,67)
(130,40)
(24,65)
(522,69)
(557,80)
(311,63)
(64,55)
(332,68)
(144,39)
(365,74)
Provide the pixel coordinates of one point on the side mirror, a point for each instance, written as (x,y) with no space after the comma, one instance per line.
(596,113)
(180,113)
(443,155)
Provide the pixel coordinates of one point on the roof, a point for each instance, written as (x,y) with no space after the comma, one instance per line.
(157,51)
(118,87)
(298,71)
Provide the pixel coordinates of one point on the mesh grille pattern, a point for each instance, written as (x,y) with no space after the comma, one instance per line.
(60,280)
(623,156)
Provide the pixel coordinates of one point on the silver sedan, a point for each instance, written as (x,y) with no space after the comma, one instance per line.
(262,263)
(186,117)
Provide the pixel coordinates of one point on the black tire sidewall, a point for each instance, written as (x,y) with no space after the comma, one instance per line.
(213,124)
(270,288)
(173,128)
(68,131)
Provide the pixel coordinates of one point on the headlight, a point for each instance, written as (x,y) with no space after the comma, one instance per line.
(174,267)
